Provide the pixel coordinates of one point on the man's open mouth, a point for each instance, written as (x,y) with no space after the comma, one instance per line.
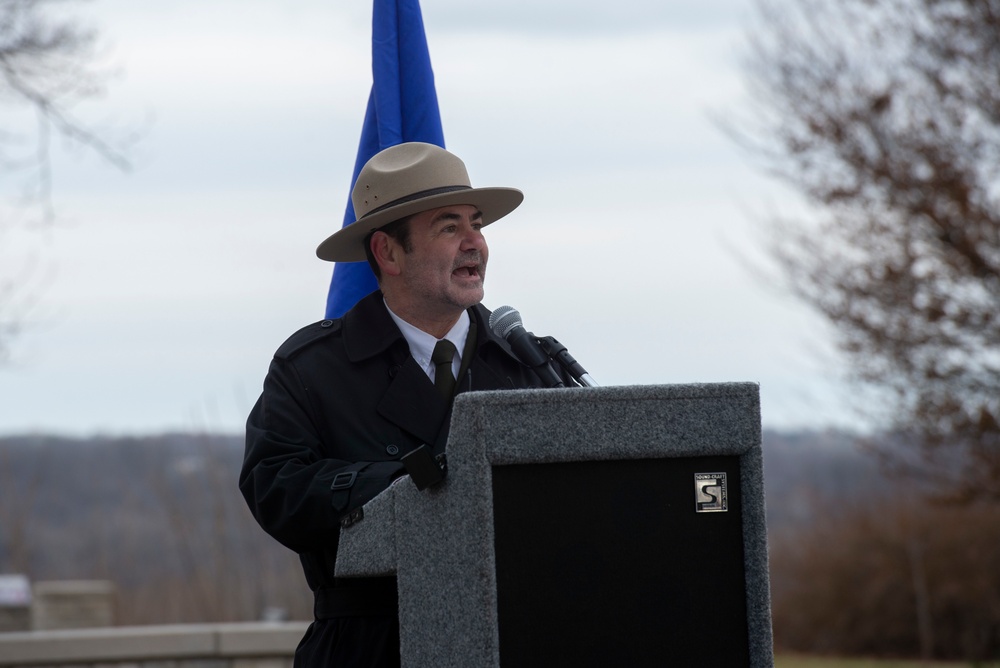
(467,271)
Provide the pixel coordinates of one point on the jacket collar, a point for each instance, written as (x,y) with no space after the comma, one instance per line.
(370,331)
(410,401)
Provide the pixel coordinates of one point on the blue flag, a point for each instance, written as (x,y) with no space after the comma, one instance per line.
(402,107)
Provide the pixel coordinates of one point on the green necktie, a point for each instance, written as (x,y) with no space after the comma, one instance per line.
(443,356)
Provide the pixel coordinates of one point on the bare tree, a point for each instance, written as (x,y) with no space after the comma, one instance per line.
(885,116)
(48,65)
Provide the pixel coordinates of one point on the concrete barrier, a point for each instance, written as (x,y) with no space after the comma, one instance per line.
(239,645)
(15,603)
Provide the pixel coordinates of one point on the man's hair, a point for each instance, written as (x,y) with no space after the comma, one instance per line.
(398,230)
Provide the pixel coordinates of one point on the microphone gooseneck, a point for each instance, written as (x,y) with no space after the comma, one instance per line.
(558,352)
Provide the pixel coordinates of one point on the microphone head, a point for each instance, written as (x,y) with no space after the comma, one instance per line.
(504,320)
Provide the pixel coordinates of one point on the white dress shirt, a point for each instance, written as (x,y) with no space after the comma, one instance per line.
(422,344)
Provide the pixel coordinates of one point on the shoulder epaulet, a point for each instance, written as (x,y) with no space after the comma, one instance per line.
(308,335)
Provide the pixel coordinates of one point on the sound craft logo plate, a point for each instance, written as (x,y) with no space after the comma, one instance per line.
(710,493)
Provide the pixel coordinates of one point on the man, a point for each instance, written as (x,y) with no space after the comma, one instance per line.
(344,400)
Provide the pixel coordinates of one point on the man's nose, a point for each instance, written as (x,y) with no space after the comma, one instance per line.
(473,239)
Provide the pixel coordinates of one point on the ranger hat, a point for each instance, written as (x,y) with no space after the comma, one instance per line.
(406,179)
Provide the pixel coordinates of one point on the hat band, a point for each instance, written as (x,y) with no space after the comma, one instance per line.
(415,196)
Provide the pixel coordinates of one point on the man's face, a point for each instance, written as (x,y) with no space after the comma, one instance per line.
(444,271)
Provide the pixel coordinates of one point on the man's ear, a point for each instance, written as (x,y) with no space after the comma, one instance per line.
(387,252)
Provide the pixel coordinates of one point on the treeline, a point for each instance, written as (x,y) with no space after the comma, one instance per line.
(861,564)
(864,563)
(159,516)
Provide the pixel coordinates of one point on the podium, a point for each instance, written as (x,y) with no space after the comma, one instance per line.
(609,526)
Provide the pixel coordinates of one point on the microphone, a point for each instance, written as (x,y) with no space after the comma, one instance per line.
(506,323)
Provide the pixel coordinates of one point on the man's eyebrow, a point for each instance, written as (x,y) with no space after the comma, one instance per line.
(454,215)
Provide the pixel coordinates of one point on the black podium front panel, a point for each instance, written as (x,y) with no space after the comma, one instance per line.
(620,563)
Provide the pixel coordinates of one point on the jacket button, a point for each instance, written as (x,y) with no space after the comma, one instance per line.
(393,370)
(392,450)
(326,323)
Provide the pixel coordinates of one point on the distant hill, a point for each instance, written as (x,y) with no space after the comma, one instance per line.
(160,512)
(63,483)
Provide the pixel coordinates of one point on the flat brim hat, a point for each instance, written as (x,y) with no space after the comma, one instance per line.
(404,180)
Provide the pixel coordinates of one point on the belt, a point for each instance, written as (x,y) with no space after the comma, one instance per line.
(357,597)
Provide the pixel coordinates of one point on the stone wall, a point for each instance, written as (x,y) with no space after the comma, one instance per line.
(60,604)
(249,645)
(72,604)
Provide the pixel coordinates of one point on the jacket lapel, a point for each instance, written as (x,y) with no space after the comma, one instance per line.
(412,403)
(410,400)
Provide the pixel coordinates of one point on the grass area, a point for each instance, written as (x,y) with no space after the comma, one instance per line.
(815,662)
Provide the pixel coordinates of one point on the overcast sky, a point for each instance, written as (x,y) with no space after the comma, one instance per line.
(162,293)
